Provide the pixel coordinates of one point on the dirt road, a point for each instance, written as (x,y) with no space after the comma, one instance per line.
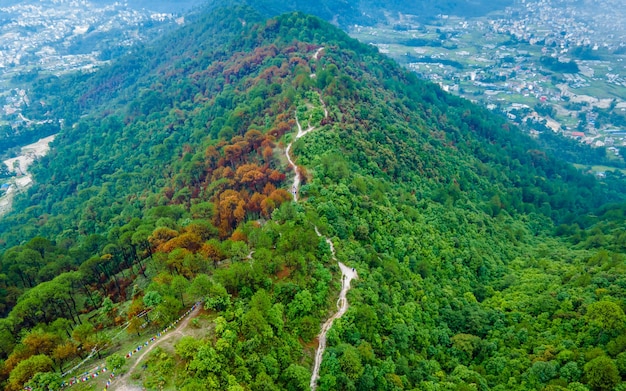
(122,383)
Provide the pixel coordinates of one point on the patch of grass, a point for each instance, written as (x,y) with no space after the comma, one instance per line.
(599,168)
(602,90)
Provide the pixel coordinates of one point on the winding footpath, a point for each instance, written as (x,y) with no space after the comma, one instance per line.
(123,381)
(347,273)
(298,177)
(316,55)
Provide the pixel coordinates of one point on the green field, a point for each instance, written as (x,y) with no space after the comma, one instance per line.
(597,169)
(601,90)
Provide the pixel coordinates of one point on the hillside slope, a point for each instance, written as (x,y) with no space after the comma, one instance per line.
(175,188)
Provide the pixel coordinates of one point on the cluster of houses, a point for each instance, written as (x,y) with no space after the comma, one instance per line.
(499,61)
(59,36)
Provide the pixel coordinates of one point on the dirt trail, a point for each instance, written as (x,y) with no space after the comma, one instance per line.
(347,273)
(298,178)
(316,55)
(122,383)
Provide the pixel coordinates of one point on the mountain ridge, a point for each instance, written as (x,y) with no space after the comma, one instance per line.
(178,191)
(477,115)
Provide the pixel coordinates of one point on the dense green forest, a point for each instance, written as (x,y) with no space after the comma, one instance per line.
(484,263)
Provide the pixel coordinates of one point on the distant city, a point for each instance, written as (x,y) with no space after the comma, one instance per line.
(547,64)
(60,36)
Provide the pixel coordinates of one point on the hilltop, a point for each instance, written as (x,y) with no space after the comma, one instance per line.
(483,262)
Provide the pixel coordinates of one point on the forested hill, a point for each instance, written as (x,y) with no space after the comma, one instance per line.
(483,262)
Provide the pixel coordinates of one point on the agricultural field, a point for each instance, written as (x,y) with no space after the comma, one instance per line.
(572,82)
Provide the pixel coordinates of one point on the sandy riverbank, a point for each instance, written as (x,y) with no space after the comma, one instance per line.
(19,165)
